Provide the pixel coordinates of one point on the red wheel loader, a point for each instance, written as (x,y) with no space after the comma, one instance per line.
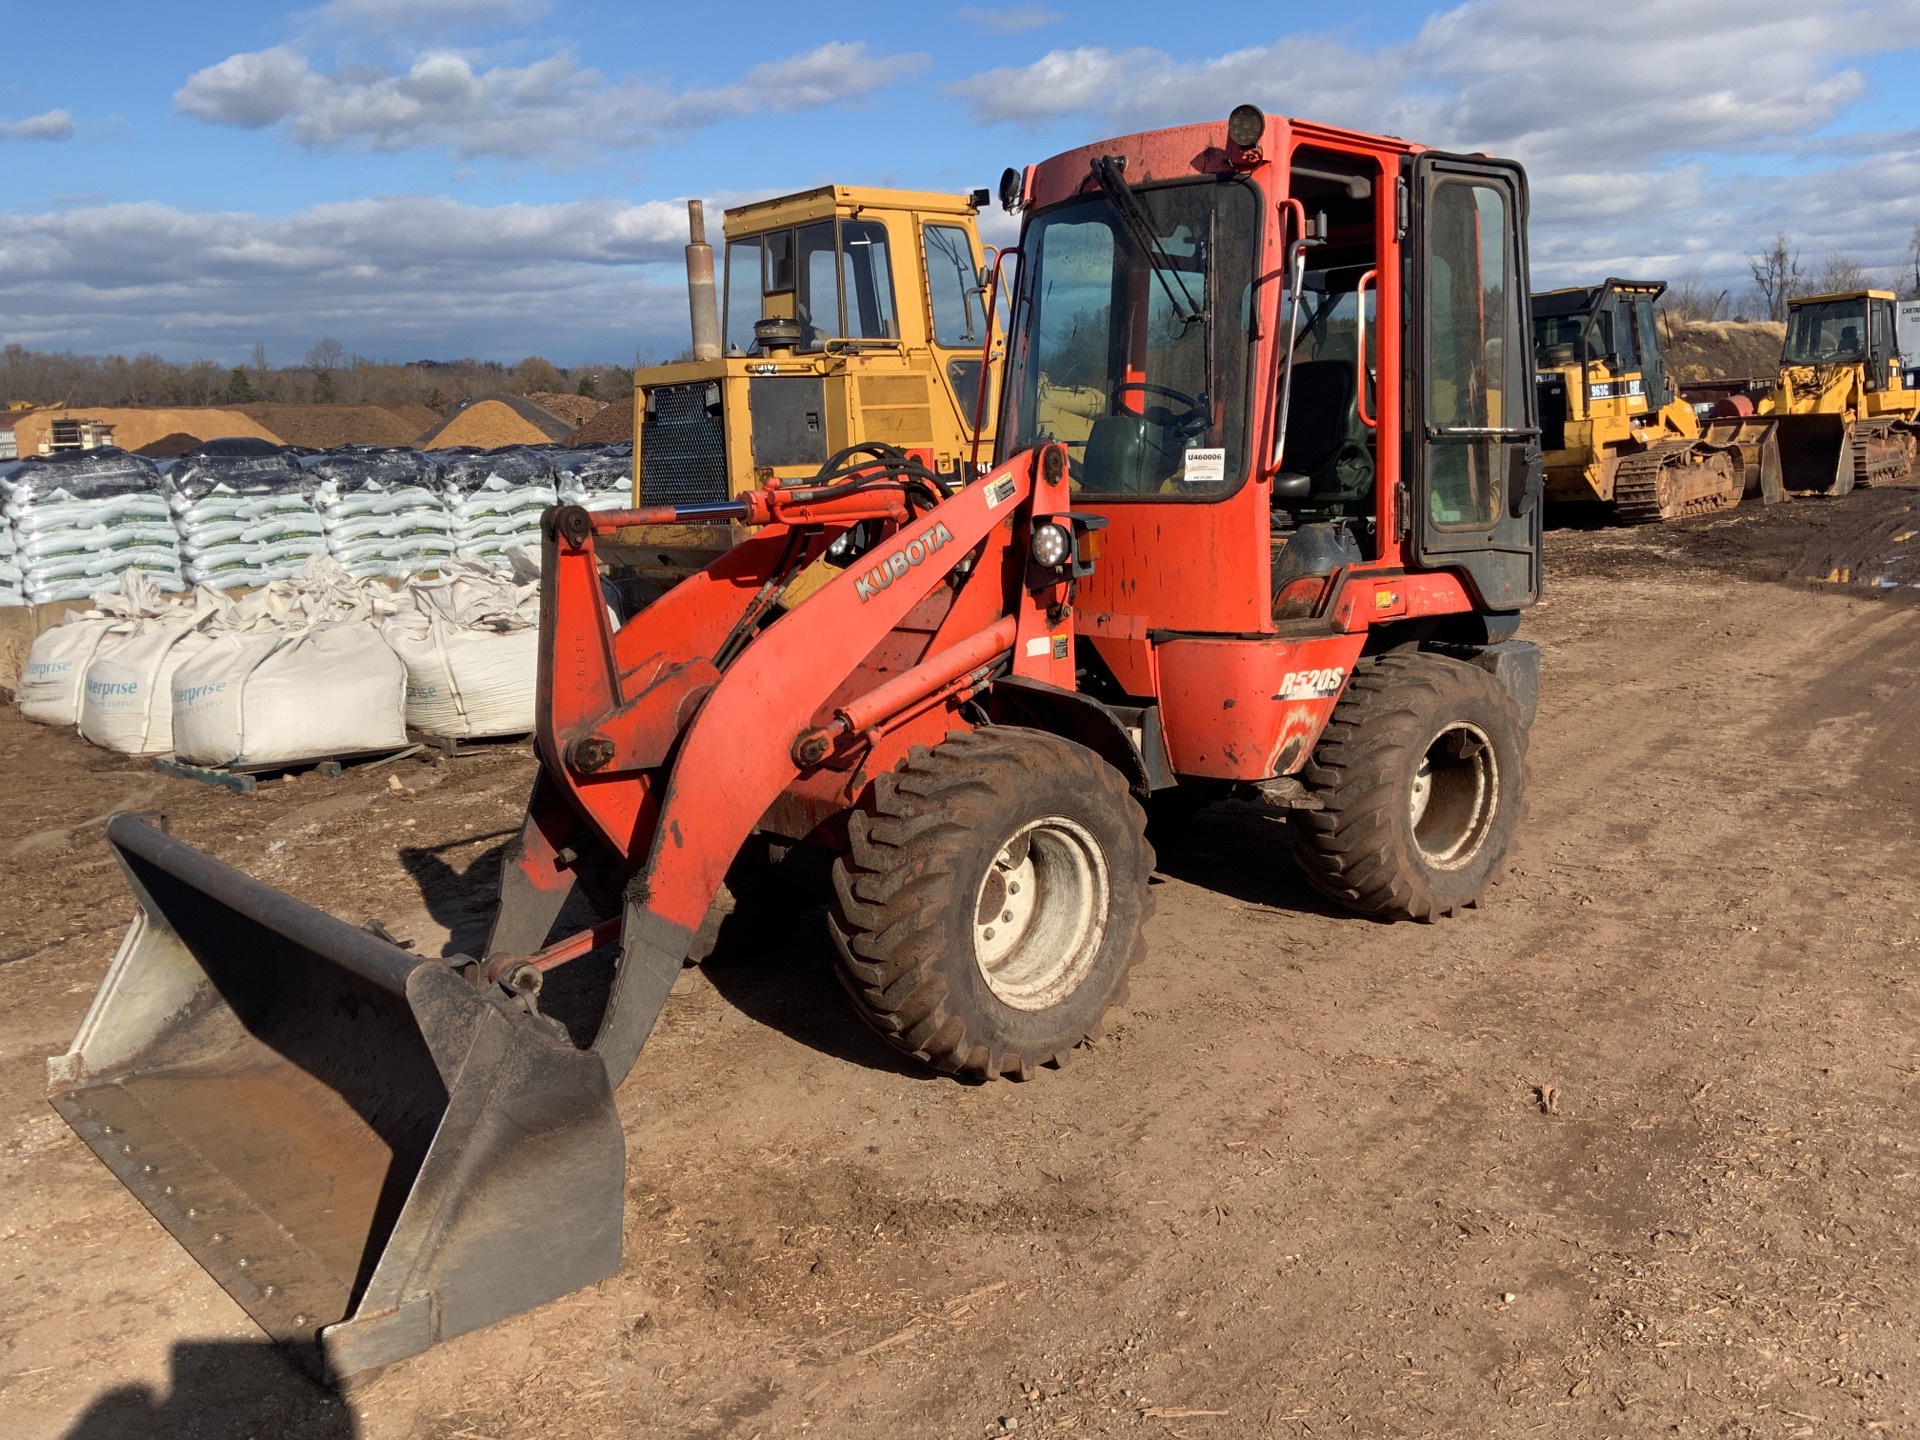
(1263,518)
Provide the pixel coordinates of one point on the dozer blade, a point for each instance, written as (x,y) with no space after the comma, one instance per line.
(1816,453)
(366,1152)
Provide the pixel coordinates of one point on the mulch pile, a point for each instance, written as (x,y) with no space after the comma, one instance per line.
(613,424)
(495,420)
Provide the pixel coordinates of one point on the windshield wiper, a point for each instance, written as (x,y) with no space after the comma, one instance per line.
(1107,173)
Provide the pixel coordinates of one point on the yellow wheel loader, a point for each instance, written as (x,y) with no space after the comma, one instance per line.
(1842,408)
(1612,430)
(851,316)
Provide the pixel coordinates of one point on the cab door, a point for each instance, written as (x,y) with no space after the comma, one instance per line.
(1473,441)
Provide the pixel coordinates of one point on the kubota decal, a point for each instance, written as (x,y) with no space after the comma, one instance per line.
(914,552)
(1312,684)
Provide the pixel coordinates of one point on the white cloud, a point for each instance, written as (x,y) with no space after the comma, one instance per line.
(251,90)
(1008,20)
(1636,151)
(554,109)
(398,276)
(48,125)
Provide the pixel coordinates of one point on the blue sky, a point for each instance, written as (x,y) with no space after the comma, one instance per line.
(504,177)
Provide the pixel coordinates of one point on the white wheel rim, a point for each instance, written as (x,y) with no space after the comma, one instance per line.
(1040,913)
(1456,787)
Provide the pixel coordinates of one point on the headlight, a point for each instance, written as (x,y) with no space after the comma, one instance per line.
(1052,545)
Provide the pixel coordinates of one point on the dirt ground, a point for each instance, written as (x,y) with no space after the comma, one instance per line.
(1632,1150)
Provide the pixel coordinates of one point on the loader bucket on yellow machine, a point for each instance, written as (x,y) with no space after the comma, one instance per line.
(366,1152)
(1816,453)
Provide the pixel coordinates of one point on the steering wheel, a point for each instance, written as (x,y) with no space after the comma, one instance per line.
(1190,421)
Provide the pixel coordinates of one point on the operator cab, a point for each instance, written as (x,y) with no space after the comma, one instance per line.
(1327,458)
(1848,329)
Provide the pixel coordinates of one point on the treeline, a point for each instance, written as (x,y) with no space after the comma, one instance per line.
(1780,274)
(329,375)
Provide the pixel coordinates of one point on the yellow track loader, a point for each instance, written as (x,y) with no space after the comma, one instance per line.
(1842,408)
(851,316)
(1612,430)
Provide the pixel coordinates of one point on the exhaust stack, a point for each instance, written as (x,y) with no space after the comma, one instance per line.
(701,303)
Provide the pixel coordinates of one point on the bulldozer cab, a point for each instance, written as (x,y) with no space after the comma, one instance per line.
(1609,326)
(1855,329)
(849,315)
(1216,342)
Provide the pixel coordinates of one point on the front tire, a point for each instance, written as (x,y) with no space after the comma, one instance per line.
(1420,774)
(992,901)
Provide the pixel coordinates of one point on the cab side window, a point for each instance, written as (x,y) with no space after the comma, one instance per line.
(1473,340)
(958,322)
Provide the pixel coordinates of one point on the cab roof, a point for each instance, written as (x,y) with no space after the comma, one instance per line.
(1577,299)
(1799,300)
(827,201)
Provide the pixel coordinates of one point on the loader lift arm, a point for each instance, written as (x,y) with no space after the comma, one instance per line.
(674,764)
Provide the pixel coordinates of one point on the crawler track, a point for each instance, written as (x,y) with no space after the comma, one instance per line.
(1668,482)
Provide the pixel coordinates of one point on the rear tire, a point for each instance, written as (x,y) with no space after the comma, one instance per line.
(992,901)
(1421,773)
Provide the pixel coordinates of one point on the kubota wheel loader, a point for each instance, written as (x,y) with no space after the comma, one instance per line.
(851,314)
(1612,428)
(1264,514)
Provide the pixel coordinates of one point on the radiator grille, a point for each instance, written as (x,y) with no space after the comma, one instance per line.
(683,449)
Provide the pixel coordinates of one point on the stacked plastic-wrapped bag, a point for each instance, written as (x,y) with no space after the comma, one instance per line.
(243,513)
(495,498)
(596,478)
(382,510)
(81,519)
(12,582)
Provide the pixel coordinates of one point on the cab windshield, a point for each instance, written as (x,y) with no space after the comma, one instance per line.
(1132,340)
(1826,333)
(1562,334)
(833,280)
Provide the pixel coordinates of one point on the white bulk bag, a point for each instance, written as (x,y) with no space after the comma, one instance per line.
(56,673)
(265,698)
(51,687)
(471,643)
(128,704)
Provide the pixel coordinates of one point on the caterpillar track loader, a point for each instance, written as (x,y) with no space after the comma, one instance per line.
(1612,428)
(1842,408)
(1262,518)
(850,315)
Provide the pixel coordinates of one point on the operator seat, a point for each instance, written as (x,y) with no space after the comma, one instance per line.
(1850,340)
(1319,415)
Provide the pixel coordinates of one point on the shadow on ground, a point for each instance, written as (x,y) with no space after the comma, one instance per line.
(1241,852)
(774,964)
(221,1390)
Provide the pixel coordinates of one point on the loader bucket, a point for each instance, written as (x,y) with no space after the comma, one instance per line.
(1816,453)
(367,1153)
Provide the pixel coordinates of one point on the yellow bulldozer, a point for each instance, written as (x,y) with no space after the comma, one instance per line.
(1842,410)
(851,316)
(1612,430)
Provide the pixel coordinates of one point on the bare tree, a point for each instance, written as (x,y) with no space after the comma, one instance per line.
(1910,284)
(326,355)
(1691,298)
(1839,274)
(1777,277)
